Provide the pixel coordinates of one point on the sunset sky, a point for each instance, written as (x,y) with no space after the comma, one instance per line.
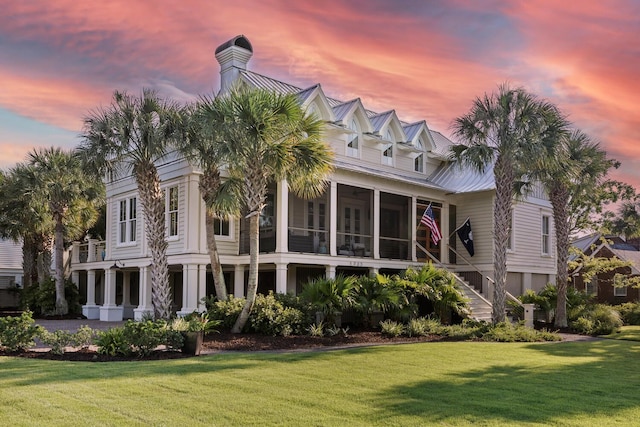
(59,59)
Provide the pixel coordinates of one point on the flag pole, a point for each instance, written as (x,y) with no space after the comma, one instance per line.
(463,223)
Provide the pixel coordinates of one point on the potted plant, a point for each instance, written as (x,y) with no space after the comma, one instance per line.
(193,327)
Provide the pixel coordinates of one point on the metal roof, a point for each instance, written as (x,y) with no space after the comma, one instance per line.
(378,120)
(456,179)
(423,182)
(442,144)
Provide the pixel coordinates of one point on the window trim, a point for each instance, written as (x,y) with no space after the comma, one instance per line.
(129,221)
(169,212)
(421,164)
(225,237)
(350,151)
(545,237)
(617,289)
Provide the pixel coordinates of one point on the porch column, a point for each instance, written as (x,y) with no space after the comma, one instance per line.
(373,271)
(75,252)
(282,217)
(91,254)
(127,308)
(333,219)
(202,286)
(444,229)
(526,282)
(90,310)
(110,312)
(238,281)
(412,216)
(189,289)
(281,278)
(145,308)
(376,223)
(330,272)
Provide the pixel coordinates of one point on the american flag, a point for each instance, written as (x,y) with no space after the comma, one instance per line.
(430,221)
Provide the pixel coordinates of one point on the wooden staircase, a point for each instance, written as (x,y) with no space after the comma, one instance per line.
(481,308)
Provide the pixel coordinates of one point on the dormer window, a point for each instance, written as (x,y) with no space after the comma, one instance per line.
(420,144)
(418,164)
(353,145)
(387,154)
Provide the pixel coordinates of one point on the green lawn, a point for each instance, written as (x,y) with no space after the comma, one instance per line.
(630,333)
(576,383)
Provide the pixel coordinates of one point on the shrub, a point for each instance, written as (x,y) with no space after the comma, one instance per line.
(57,340)
(17,333)
(145,336)
(630,313)
(225,311)
(391,328)
(423,326)
(41,299)
(375,294)
(316,329)
(595,319)
(269,316)
(508,332)
(83,337)
(329,296)
(113,342)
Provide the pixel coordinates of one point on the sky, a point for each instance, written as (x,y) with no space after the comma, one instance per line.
(60,60)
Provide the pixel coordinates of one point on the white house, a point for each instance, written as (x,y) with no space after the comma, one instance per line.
(10,272)
(387,172)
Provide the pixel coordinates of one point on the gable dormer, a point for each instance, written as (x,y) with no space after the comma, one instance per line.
(313,100)
(389,129)
(353,118)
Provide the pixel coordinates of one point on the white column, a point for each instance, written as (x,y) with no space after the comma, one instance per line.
(373,271)
(412,216)
(202,286)
(238,281)
(75,252)
(281,278)
(75,278)
(127,308)
(282,217)
(330,272)
(110,312)
(91,254)
(376,223)
(333,218)
(189,289)
(526,282)
(90,310)
(145,306)
(444,230)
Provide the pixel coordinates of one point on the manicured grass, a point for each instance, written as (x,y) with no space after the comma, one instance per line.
(629,333)
(575,383)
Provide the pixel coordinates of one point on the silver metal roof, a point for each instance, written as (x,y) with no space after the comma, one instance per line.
(455,179)
(423,182)
(378,120)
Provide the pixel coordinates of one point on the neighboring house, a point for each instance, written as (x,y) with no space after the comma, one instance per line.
(601,287)
(10,272)
(387,172)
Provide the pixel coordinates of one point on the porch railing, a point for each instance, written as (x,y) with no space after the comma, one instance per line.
(92,251)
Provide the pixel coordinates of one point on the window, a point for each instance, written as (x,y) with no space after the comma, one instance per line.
(221,227)
(591,288)
(418,164)
(546,237)
(172,211)
(620,292)
(127,216)
(353,144)
(387,154)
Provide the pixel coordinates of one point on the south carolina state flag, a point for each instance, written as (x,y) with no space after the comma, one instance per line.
(466,236)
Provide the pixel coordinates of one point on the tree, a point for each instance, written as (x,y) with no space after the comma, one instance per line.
(504,130)
(27,220)
(269,138)
(627,221)
(69,190)
(205,146)
(131,135)
(574,167)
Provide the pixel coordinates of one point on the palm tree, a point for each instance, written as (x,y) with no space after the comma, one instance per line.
(131,135)
(27,220)
(269,138)
(204,145)
(69,191)
(575,165)
(502,129)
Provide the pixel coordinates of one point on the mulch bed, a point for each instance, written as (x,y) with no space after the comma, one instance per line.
(226,342)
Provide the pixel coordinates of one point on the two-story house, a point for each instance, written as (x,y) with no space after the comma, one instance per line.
(387,171)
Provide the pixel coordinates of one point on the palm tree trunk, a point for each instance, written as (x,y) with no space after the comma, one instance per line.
(29,262)
(252,286)
(209,183)
(502,217)
(153,207)
(44,259)
(216,267)
(62,307)
(560,202)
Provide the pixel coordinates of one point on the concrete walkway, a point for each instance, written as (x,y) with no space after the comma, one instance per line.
(72,325)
